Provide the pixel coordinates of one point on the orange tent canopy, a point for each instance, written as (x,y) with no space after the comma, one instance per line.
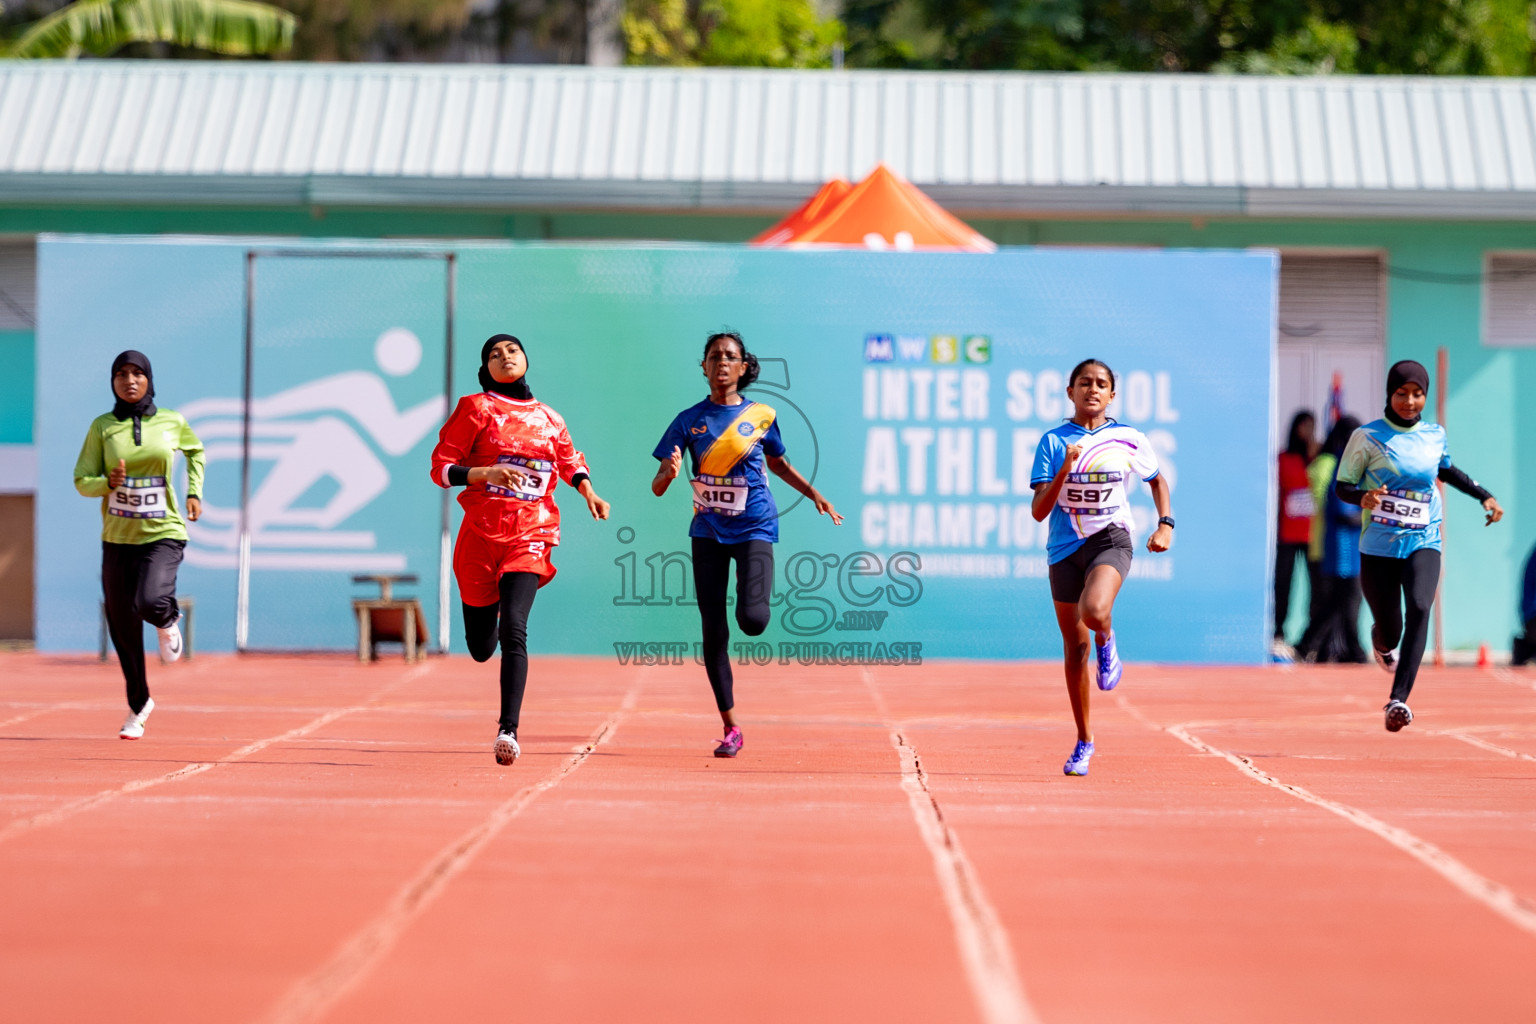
(826,197)
(884,211)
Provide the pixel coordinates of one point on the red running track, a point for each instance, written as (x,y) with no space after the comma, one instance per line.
(308,839)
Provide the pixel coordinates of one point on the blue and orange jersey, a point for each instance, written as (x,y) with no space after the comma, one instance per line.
(1407,463)
(1094,496)
(725,444)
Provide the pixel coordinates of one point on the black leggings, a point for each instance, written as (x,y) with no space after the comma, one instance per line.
(138,582)
(1389,584)
(754,588)
(481,632)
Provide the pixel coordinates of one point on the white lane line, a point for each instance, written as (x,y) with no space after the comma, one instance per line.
(314,995)
(1518,678)
(1515,909)
(1478,741)
(74,807)
(985,952)
(34,713)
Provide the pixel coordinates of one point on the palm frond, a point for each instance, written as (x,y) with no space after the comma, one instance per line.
(238,27)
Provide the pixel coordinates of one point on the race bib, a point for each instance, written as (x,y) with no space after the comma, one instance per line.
(1299,504)
(723,495)
(538,478)
(1404,510)
(139,497)
(1092,494)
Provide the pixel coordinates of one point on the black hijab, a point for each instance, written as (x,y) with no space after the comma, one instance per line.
(1405,372)
(1295,445)
(516,389)
(1339,436)
(144,407)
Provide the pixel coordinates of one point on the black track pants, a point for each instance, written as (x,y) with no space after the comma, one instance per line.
(1393,586)
(506,621)
(754,589)
(138,583)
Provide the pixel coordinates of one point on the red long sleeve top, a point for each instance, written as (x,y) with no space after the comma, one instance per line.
(487,428)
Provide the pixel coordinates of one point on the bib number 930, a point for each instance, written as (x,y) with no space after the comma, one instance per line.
(138,497)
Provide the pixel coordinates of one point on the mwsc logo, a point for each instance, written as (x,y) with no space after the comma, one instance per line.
(916,348)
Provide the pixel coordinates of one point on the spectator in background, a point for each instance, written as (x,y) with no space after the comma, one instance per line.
(1334,632)
(1296,511)
(1525,646)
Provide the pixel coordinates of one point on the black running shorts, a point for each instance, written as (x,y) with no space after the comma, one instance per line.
(1110,546)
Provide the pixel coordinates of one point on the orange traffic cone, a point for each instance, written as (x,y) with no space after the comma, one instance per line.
(1483,660)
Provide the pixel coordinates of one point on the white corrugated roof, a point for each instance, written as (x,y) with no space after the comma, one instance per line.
(746,139)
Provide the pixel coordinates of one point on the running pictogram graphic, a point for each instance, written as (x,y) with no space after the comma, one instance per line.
(334,432)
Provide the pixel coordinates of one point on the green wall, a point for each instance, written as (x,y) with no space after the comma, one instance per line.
(18,368)
(1482,564)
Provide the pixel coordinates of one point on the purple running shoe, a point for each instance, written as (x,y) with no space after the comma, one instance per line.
(1077,764)
(1110,668)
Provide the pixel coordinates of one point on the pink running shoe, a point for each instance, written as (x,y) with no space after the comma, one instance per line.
(731,745)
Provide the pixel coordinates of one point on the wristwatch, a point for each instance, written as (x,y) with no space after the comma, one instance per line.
(1165,521)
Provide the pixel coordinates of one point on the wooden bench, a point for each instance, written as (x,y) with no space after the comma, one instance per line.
(388,619)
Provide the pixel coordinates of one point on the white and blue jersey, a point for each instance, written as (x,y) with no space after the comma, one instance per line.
(726,444)
(1406,462)
(1093,498)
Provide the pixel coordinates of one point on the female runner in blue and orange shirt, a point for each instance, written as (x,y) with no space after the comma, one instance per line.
(729,439)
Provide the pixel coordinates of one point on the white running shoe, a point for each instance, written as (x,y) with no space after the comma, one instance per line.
(170,641)
(506,748)
(1386,659)
(133,727)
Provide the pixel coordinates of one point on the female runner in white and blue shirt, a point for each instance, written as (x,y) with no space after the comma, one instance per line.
(1082,469)
(1389,469)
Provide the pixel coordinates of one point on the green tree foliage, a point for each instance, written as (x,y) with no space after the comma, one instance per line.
(101,27)
(370,29)
(737,33)
(1462,37)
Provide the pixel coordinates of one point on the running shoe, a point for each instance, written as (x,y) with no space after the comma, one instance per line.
(133,726)
(1398,715)
(731,745)
(1386,659)
(1077,764)
(1109,664)
(170,640)
(506,747)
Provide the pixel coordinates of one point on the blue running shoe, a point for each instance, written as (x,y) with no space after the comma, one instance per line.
(1077,764)
(1109,664)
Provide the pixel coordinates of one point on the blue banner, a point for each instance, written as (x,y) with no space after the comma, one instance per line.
(912,387)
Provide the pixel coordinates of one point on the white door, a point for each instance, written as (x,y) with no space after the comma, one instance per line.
(1331,330)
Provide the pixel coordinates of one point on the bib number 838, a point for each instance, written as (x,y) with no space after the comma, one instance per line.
(1403,510)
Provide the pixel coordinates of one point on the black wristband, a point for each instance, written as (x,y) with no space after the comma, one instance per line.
(578,478)
(1166,521)
(458,476)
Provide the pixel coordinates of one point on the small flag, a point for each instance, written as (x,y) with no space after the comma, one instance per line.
(1333,409)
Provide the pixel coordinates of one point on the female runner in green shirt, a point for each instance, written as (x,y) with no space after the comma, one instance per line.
(126,461)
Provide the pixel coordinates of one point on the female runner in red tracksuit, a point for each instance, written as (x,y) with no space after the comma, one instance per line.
(506,448)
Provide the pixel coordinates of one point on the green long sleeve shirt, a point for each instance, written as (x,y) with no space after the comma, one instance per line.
(144,509)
